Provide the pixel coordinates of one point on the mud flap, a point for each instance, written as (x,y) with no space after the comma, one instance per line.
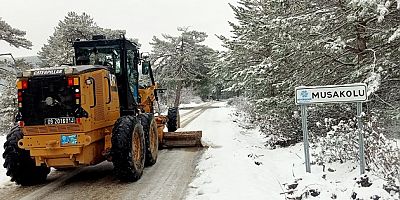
(182,139)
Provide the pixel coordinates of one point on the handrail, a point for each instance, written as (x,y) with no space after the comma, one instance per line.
(94,92)
(109,90)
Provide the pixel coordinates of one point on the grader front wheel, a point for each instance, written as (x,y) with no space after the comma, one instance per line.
(173,119)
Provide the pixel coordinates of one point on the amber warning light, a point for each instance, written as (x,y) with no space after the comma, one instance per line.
(22,84)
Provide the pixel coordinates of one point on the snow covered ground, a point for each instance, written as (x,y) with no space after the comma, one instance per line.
(237,165)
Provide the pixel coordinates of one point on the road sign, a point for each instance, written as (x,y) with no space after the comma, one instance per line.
(331,94)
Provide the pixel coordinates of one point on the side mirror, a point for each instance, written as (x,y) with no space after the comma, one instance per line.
(145,67)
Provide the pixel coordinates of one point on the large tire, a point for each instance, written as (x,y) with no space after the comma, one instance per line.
(128,149)
(20,166)
(173,119)
(151,137)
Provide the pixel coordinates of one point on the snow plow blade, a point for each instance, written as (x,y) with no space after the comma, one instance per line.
(182,139)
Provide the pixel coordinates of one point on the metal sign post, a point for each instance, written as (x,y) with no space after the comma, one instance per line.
(360,137)
(332,94)
(305,137)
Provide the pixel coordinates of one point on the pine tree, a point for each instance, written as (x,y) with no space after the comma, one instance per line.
(8,92)
(278,45)
(13,36)
(8,71)
(183,61)
(74,26)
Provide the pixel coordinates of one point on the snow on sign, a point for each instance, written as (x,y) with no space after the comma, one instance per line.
(331,93)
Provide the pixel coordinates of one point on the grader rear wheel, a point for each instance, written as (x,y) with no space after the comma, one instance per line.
(128,149)
(19,164)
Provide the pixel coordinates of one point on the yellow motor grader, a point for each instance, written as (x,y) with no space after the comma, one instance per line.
(95,110)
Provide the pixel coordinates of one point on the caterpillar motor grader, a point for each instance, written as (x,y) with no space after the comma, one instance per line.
(95,110)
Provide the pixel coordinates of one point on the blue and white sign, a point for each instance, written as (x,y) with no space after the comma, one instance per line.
(331,94)
(69,139)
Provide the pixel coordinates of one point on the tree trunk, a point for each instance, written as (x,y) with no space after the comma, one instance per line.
(179,82)
(178,93)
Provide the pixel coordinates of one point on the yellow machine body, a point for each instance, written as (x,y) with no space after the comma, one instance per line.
(93,133)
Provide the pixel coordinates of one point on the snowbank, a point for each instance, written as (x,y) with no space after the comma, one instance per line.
(230,168)
(237,165)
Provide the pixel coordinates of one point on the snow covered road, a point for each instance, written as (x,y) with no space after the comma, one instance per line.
(167,179)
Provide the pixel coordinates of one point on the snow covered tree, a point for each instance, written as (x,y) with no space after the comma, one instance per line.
(280,44)
(183,61)
(74,26)
(13,36)
(8,70)
(8,91)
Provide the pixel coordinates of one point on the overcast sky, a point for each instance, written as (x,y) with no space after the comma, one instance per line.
(141,19)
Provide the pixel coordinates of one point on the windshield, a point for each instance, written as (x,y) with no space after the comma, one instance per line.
(144,79)
(104,55)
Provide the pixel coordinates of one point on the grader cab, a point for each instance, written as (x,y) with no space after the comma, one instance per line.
(96,110)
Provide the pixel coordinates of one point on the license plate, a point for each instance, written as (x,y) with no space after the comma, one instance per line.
(61,120)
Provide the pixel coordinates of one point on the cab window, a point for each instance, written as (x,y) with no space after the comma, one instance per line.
(132,73)
(104,55)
